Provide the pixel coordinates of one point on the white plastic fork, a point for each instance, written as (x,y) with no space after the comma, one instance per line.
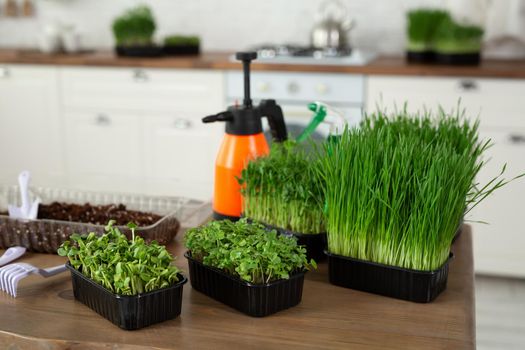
(11,274)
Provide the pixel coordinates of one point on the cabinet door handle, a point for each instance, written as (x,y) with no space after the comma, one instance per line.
(181,123)
(263,87)
(322,89)
(140,76)
(293,87)
(468,85)
(102,120)
(4,72)
(517,138)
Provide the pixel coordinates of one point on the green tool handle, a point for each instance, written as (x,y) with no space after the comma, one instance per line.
(320,114)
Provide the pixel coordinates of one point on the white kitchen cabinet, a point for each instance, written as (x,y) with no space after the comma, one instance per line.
(104,151)
(498,102)
(30,124)
(180,154)
(147,127)
(500,105)
(499,245)
(138,89)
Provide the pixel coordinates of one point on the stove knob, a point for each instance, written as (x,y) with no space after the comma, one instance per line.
(263,87)
(293,88)
(322,89)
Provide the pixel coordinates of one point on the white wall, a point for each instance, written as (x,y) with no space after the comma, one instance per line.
(227,24)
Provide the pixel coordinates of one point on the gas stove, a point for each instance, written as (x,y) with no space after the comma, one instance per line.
(295,54)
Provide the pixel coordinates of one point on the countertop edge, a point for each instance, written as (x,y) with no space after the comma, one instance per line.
(383,65)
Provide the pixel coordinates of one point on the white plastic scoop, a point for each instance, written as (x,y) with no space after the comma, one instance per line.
(27,210)
(11,254)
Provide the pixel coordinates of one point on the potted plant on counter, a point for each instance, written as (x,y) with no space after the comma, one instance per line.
(282,192)
(243,266)
(130,283)
(134,31)
(421,27)
(457,43)
(396,189)
(175,45)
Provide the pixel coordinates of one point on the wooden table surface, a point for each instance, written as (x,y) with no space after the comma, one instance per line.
(46,316)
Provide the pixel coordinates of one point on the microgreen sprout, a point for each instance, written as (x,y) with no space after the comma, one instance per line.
(125,267)
(397,188)
(281,190)
(247,250)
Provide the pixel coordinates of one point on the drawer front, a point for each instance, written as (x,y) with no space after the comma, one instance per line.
(104,142)
(180,153)
(338,88)
(497,102)
(143,89)
(499,245)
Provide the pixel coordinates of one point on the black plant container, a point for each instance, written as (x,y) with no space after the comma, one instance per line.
(458,59)
(390,281)
(257,300)
(420,56)
(139,51)
(129,312)
(181,50)
(315,243)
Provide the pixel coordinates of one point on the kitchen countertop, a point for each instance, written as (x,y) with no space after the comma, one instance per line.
(218,60)
(45,315)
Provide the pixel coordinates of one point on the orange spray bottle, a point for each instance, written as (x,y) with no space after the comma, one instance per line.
(244,140)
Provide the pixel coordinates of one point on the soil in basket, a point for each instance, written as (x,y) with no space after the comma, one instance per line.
(95,214)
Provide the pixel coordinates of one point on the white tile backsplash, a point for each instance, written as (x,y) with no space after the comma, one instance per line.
(223,24)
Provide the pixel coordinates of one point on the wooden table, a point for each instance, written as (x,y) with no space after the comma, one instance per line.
(45,316)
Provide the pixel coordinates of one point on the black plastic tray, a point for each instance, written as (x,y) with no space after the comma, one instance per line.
(459,59)
(420,56)
(390,281)
(139,51)
(181,50)
(129,312)
(314,243)
(256,300)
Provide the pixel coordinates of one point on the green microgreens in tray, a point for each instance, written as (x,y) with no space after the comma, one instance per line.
(125,267)
(397,188)
(455,38)
(135,27)
(421,27)
(281,190)
(247,250)
(182,40)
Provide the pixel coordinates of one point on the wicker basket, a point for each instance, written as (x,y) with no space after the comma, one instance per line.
(46,236)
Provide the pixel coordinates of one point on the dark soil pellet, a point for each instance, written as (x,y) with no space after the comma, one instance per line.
(95,214)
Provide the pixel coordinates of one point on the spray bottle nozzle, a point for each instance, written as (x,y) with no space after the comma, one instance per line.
(246,58)
(219,117)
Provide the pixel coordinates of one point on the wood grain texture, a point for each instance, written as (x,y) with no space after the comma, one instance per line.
(221,60)
(45,315)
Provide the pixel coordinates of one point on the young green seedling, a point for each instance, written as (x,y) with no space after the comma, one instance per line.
(125,267)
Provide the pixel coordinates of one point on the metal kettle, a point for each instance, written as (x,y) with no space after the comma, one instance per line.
(331,31)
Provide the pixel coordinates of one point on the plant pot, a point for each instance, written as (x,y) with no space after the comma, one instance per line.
(129,312)
(426,56)
(181,50)
(315,243)
(139,51)
(390,281)
(256,300)
(459,59)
